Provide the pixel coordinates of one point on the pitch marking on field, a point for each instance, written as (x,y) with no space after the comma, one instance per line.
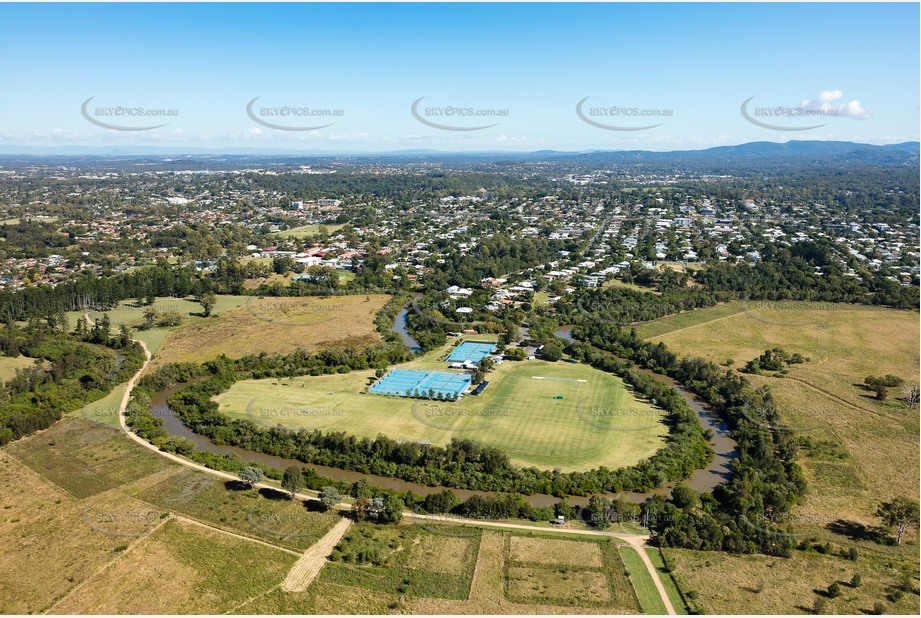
(559,379)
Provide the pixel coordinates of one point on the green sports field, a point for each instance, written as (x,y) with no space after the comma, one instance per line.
(575,418)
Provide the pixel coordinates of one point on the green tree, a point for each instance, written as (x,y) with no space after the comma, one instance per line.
(552,351)
(150,316)
(251,475)
(442,502)
(361,489)
(360,508)
(329,497)
(293,480)
(207,302)
(901,513)
(388,509)
(684,497)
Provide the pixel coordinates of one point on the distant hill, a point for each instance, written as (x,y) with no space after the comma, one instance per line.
(800,151)
(750,158)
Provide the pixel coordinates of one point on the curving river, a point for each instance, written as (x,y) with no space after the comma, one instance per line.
(703,480)
(724,447)
(400,328)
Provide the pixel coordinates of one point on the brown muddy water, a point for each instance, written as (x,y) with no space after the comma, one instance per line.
(703,479)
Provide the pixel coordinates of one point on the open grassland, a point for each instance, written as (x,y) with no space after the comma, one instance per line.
(277,325)
(89,525)
(863,451)
(9,365)
(181,568)
(740,584)
(49,546)
(555,422)
(405,569)
(88,518)
(103,410)
(85,459)
(654,328)
(263,514)
(617,283)
(869,449)
(310,230)
(131,313)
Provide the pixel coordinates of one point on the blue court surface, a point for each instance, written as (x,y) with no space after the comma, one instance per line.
(409,383)
(474,351)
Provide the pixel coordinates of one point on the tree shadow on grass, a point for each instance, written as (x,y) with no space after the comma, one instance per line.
(860,532)
(315,506)
(236,486)
(274,494)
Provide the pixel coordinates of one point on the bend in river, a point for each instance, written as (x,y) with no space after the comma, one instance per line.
(703,479)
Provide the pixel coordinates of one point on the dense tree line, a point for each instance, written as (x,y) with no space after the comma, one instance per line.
(789,273)
(70,372)
(766,481)
(460,464)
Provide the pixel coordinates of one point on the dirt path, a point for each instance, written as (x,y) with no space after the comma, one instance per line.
(120,555)
(638,545)
(492,524)
(194,522)
(634,539)
(312,562)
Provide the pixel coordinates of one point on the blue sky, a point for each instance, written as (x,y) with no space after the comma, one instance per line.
(693,64)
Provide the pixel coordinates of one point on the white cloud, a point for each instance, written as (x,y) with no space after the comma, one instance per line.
(831,101)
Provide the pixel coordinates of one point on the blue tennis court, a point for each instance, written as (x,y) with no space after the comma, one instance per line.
(473,351)
(409,383)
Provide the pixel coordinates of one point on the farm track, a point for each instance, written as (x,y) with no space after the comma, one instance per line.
(637,540)
(312,561)
(131,546)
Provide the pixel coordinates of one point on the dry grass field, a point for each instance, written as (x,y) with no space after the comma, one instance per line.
(276,325)
(560,552)
(9,365)
(92,523)
(823,398)
(864,450)
(80,532)
(738,584)
(181,568)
